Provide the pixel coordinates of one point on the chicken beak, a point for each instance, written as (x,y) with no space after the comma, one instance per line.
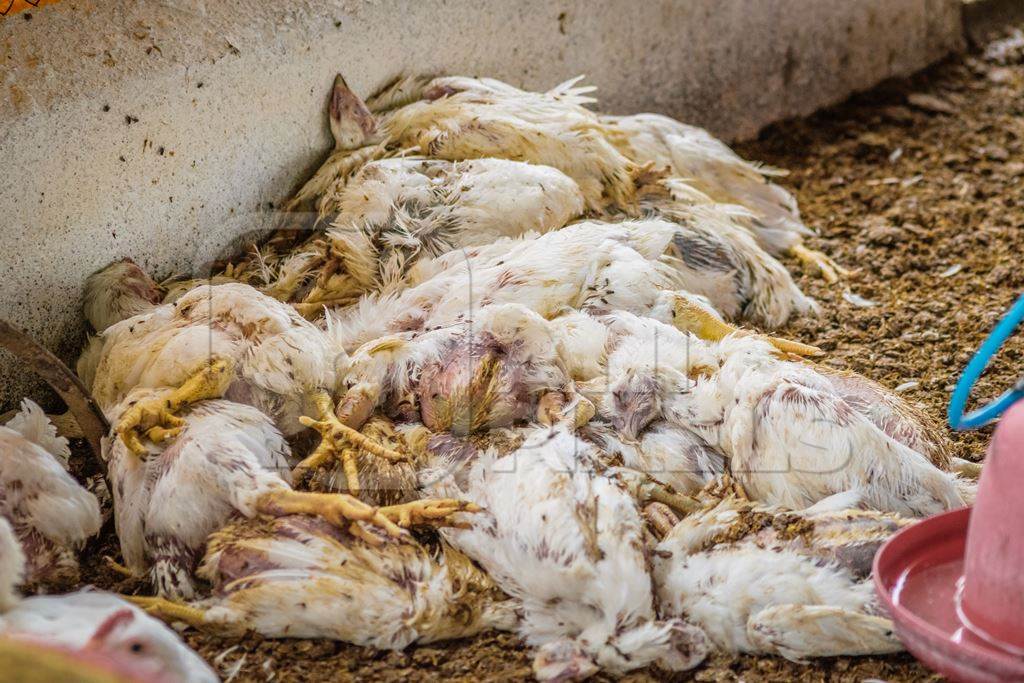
(693,318)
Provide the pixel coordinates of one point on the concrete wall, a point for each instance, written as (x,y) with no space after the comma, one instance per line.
(157,129)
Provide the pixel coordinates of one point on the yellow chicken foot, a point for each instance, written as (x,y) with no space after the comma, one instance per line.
(691,317)
(428,512)
(170,611)
(339,509)
(652,491)
(554,407)
(118,567)
(339,442)
(338,289)
(661,518)
(816,261)
(724,487)
(155,417)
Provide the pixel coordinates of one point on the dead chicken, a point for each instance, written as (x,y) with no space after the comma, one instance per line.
(591,266)
(715,245)
(101,629)
(226,340)
(12,566)
(466,118)
(222,339)
(702,161)
(459,118)
(119,291)
(766,580)
(90,627)
(669,454)
(228,461)
(299,577)
(568,544)
(395,212)
(50,514)
(497,369)
(489,371)
(793,433)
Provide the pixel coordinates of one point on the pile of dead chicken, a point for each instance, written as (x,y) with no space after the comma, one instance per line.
(485,376)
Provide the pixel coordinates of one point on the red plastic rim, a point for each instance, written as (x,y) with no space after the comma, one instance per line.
(933,542)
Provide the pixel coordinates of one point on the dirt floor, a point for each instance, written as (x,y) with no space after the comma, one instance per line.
(917,188)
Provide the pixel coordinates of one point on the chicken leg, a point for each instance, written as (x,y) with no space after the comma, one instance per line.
(653,491)
(343,510)
(816,261)
(646,489)
(429,512)
(171,612)
(689,316)
(155,418)
(339,509)
(339,442)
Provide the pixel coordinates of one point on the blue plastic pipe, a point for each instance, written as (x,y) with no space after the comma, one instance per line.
(958,401)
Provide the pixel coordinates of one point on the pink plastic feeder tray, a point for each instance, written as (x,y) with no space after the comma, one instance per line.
(954,583)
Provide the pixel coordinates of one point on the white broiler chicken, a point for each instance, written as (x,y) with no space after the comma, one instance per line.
(269,356)
(101,629)
(395,212)
(715,242)
(766,580)
(669,454)
(226,340)
(119,291)
(466,118)
(590,266)
(461,118)
(299,577)
(228,461)
(702,161)
(793,433)
(497,369)
(12,566)
(50,513)
(567,543)
(473,375)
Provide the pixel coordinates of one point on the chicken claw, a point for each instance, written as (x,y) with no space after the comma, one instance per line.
(554,407)
(722,487)
(339,442)
(429,512)
(661,518)
(340,509)
(169,610)
(155,418)
(690,316)
(656,492)
(816,261)
(118,567)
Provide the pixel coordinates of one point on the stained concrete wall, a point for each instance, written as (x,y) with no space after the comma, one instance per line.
(157,129)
